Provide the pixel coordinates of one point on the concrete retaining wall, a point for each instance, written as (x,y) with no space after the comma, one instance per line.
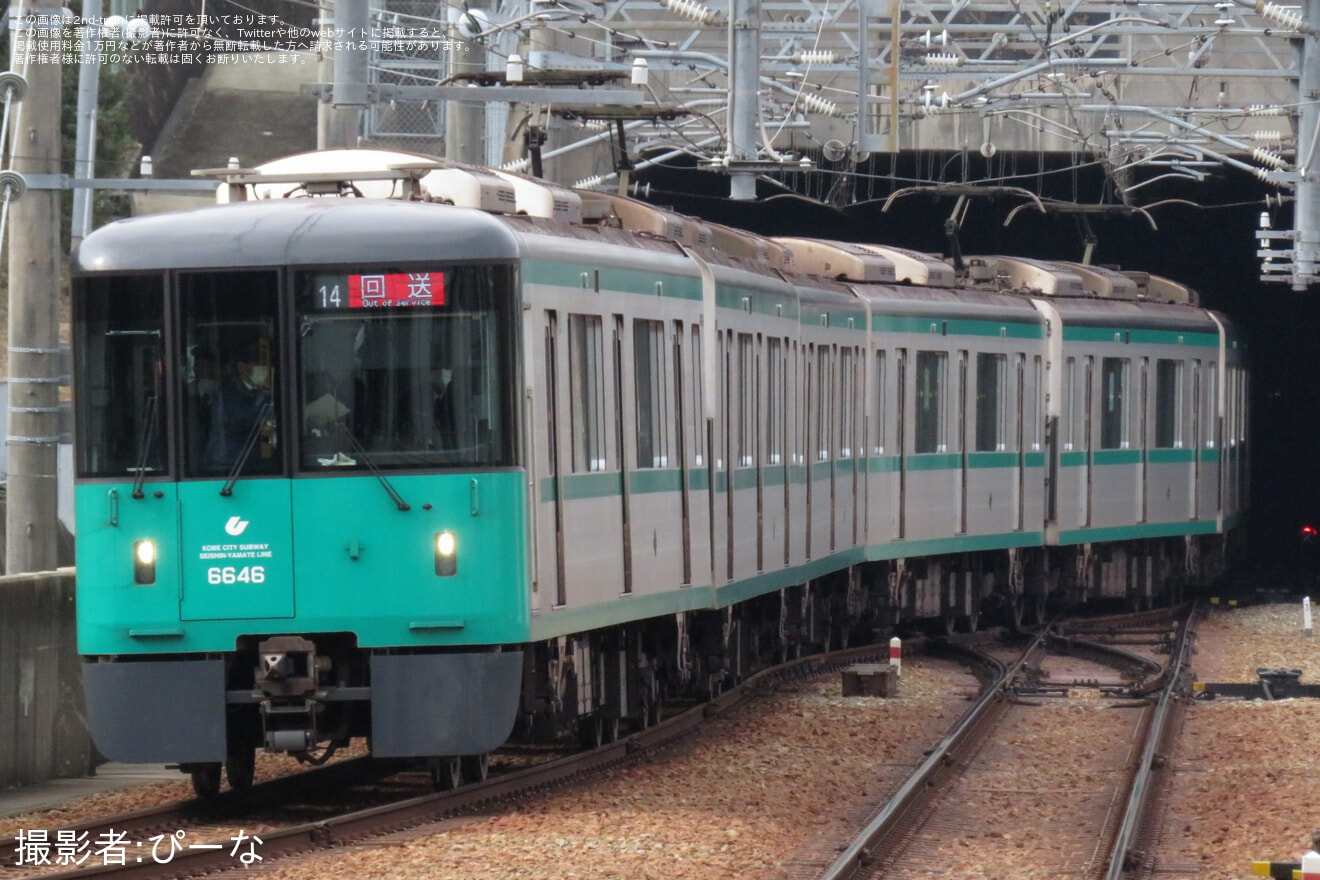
(43,732)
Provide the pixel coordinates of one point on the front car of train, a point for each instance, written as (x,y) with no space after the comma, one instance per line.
(300,506)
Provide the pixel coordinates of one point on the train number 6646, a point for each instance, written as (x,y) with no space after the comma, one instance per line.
(247,574)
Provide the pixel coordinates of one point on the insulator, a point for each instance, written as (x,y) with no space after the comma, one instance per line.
(822,56)
(943,59)
(1281,15)
(933,104)
(1264,175)
(1269,137)
(1265,157)
(928,40)
(590,182)
(517,166)
(817,104)
(698,12)
(1266,110)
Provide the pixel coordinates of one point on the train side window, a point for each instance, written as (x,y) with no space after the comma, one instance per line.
(802,364)
(1069,438)
(552,391)
(720,452)
(991,381)
(651,374)
(847,403)
(745,389)
(1114,379)
(931,377)
(698,398)
(774,424)
(1230,406)
(1036,395)
(1168,403)
(586,342)
(824,404)
(881,421)
(119,337)
(1194,418)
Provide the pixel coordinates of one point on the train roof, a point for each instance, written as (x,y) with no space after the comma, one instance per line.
(950,303)
(408,204)
(276,232)
(1131,313)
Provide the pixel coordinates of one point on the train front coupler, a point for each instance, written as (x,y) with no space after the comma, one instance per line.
(288,682)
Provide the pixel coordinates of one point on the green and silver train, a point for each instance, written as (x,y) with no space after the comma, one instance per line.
(436,456)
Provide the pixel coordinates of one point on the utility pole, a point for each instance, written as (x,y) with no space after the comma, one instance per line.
(84,153)
(33,227)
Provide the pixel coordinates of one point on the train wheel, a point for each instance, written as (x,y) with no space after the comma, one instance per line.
(476,767)
(949,623)
(206,780)
(591,732)
(1015,609)
(650,714)
(446,773)
(241,768)
(970,622)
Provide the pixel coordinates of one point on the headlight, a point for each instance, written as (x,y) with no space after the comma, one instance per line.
(446,554)
(144,562)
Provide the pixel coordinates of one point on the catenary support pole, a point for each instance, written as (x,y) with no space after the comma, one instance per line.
(337,127)
(340,125)
(465,121)
(1307,212)
(744,99)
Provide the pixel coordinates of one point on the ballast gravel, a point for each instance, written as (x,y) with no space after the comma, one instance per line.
(763,792)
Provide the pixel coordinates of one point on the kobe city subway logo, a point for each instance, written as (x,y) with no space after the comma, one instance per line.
(236,526)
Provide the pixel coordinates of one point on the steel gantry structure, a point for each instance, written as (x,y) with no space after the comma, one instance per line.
(1149,91)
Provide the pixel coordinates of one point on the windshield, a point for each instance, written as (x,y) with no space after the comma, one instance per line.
(120,345)
(405,368)
(228,355)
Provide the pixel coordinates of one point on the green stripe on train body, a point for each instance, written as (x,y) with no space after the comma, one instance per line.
(928,325)
(1139,531)
(1138,336)
(1105,457)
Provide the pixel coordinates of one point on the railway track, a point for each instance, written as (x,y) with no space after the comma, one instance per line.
(1051,771)
(410,816)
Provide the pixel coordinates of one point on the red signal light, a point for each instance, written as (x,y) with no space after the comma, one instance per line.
(1308,531)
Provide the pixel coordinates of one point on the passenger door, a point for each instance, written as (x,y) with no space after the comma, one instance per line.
(235,523)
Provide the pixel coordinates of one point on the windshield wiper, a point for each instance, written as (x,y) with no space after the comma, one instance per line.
(248,445)
(148,434)
(366,457)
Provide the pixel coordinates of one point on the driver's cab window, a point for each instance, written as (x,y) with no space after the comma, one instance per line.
(229,356)
(404,368)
